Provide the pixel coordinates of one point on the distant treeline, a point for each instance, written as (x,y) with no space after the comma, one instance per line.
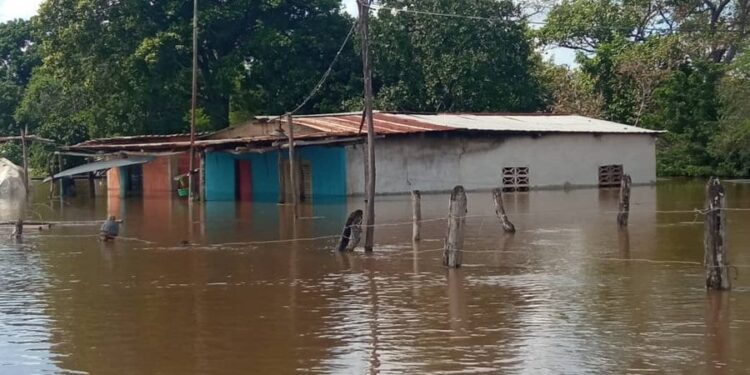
(94,68)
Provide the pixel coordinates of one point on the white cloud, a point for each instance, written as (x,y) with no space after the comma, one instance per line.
(11,9)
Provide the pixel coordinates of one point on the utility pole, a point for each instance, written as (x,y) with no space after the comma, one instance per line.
(194,101)
(292,170)
(364,15)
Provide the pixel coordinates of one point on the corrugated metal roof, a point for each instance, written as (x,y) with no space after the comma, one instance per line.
(144,138)
(526,123)
(393,123)
(384,124)
(100,165)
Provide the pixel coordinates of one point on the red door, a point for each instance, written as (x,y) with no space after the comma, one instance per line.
(244,180)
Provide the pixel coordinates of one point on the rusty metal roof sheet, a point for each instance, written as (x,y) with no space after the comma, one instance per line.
(394,123)
(384,123)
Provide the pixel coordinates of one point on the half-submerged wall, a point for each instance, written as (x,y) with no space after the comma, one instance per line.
(322,173)
(437,162)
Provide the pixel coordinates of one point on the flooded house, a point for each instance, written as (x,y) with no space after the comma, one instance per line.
(427,152)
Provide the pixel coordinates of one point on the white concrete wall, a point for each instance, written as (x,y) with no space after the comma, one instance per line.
(437,162)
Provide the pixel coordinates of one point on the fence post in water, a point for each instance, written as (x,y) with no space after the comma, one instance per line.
(497,195)
(352,232)
(18,229)
(416,209)
(624,212)
(454,240)
(715,252)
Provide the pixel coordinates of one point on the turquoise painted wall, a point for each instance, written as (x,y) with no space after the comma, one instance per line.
(328,170)
(220,177)
(328,173)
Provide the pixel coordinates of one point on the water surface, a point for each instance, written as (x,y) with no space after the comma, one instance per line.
(222,288)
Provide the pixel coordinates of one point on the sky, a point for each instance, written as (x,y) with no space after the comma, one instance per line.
(11,9)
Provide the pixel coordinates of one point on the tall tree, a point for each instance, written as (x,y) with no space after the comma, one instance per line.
(130,61)
(427,62)
(18,56)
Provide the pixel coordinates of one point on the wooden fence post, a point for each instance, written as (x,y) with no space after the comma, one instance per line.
(352,232)
(715,252)
(624,212)
(18,229)
(454,241)
(497,195)
(416,208)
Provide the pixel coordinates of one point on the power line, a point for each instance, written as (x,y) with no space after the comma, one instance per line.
(326,74)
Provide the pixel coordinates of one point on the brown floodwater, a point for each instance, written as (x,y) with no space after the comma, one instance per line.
(568,293)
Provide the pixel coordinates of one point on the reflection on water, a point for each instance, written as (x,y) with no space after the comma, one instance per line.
(211,289)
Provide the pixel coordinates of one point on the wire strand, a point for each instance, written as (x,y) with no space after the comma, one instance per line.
(327,73)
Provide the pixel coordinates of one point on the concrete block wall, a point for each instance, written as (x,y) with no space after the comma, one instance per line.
(437,163)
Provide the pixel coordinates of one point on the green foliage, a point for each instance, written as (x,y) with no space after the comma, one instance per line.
(731,146)
(431,64)
(129,63)
(587,24)
(12,152)
(664,65)
(18,56)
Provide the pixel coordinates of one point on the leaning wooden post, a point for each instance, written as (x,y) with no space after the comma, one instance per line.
(624,212)
(416,208)
(497,195)
(716,261)
(352,232)
(454,240)
(292,170)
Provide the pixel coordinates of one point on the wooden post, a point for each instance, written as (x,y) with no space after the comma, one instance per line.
(454,240)
(497,195)
(51,171)
(24,153)
(715,253)
(352,231)
(416,208)
(292,170)
(60,169)
(622,215)
(92,185)
(18,229)
(193,102)
(364,15)
(202,177)
(282,195)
